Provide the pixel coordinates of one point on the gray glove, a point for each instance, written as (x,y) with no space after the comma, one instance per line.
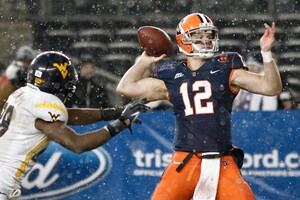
(130,112)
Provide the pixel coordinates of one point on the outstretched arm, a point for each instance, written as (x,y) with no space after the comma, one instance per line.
(68,138)
(134,85)
(80,116)
(79,143)
(268,84)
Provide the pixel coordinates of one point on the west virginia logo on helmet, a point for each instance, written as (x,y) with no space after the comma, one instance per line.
(62,68)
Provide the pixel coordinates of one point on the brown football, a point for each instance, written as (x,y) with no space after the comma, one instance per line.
(155,41)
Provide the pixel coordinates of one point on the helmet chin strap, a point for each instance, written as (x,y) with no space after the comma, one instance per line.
(204,55)
(201,53)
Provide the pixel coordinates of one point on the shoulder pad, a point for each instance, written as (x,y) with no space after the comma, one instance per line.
(169,65)
(164,68)
(234,60)
(49,108)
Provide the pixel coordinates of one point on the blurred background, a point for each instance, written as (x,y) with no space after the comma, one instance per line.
(104,32)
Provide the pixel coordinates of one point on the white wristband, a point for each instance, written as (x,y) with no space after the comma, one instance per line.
(267,56)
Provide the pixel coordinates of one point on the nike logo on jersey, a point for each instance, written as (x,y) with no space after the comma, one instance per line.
(178,75)
(213,72)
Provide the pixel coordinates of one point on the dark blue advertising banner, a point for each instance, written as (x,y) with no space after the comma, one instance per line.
(129,166)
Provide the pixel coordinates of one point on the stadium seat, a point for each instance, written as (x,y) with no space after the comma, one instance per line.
(117,64)
(289,58)
(161,20)
(288,20)
(127,47)
(286,7)
(290,75)
(39,27)
(96,49)
(237,33)
(294,32)
(116,22)
(51,23)
(232,46)
(126,34)
(256,20)
(95,35)
(78,23)
(292,45)
(59,40)
(225,21)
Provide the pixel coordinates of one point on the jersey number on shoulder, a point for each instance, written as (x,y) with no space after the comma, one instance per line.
(203,94)
(5,118)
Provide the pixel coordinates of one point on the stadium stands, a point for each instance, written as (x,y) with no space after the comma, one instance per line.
(59,39)
(107,27)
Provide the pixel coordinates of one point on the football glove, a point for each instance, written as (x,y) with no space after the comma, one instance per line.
(108,114)
(129,114)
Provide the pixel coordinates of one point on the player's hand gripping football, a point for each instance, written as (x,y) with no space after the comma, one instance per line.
(128,116)
(151,59)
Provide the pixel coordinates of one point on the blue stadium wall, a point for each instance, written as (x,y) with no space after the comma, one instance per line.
(129,166)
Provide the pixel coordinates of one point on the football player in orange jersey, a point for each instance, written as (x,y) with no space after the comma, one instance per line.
(205,165)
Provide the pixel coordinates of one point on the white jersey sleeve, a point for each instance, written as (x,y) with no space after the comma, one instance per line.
(49,108)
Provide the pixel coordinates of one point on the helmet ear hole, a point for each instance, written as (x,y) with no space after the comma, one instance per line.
(56,86)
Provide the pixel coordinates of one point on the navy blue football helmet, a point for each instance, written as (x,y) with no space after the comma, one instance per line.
(52,72)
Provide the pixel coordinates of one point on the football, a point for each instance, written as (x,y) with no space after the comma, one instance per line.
(155,41)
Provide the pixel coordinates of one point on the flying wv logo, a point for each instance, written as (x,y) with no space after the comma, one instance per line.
(62,68)
(54,117)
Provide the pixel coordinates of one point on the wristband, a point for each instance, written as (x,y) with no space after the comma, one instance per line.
(115,127)
(267,56)
(107,114)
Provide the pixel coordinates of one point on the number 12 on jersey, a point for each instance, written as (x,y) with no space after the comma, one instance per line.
(208,108)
